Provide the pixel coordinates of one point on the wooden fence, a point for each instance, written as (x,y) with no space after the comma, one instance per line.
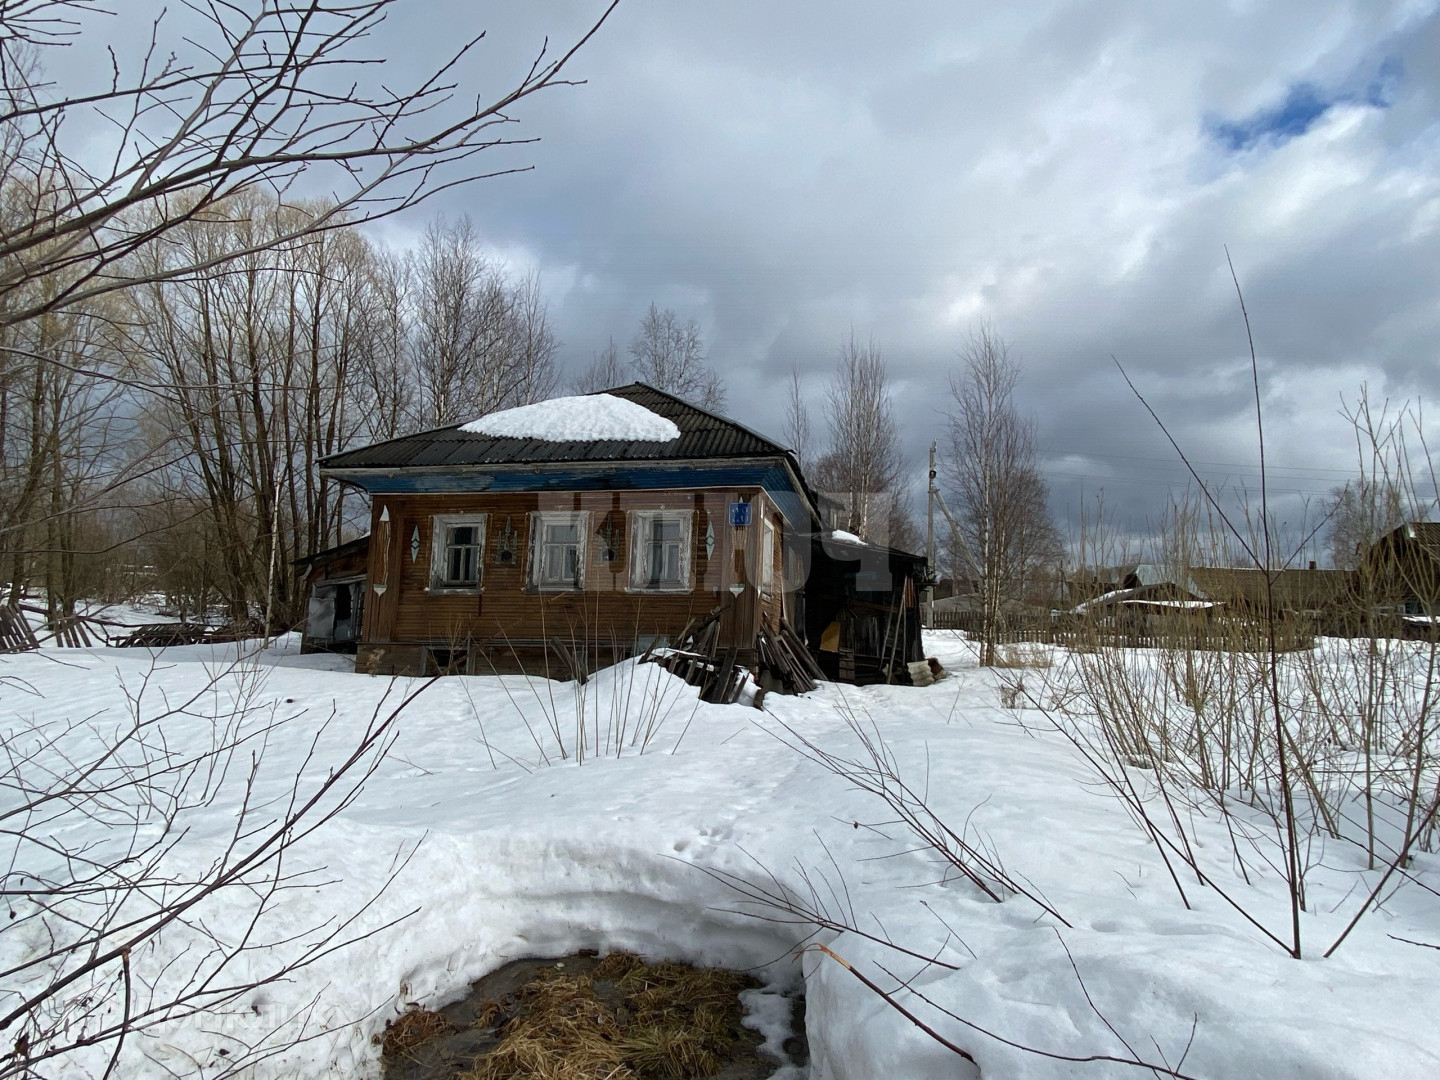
(1081,634)
(15,632)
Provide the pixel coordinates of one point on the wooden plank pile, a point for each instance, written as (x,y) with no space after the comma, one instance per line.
(162,635)
(83,631)
(15,633)
(697,660)
(785,663)
(782,662)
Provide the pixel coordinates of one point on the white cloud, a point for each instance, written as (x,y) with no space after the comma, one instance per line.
(1053,167)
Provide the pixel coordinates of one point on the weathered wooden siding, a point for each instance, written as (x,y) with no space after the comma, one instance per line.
(344,566)
(507,613)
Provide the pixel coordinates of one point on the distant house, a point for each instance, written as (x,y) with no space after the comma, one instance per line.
(1291,593)
(566,535)
(1146,609)
(1162,596)
(1400,572)
(1090,583)
(1203,599)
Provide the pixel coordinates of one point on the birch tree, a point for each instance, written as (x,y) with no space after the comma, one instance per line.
(669,355)
(863,465)
(605,371)
(1005,532)
(797,431)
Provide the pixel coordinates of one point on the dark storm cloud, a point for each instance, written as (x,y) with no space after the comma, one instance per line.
(1071,173)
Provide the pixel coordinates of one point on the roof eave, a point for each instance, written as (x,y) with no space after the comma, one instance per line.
(354,475)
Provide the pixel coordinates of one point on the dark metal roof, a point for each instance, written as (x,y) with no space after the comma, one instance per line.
(350,547)
(840,549)
(703,434)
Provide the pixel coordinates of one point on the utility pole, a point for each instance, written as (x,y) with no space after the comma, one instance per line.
(930,543)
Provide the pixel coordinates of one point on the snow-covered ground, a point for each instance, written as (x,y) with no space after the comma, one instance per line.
(493,854)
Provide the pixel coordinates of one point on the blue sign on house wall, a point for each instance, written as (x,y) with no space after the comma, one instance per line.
(740,513)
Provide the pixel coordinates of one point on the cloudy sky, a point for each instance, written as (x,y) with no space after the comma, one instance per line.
(1069,172)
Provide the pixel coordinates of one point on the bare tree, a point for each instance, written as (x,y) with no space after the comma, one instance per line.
(247,102)
(670,356)
(476,336)
(297,350)
(384,388)
(533,375)
(863,465)
(57,447)
(1363,510)
(1360,512)
(258,365)
(255,317)
(605,371)
(1005,533)
(797,419)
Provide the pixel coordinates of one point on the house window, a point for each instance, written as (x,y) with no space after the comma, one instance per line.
(767,554)
(457,550)
(660,550)
(557,551)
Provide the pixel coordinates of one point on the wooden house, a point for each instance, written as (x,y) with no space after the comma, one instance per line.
(1400,572)
(1158,599)
(569,534)
(1309,594)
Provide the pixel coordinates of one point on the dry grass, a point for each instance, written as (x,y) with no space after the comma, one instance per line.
(564,1032)
(669,1022)
(489,1015)
(616,966)
(655,991)
(410,1029)
(672,1052)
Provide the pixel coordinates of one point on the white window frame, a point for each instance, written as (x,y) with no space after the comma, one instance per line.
(640,525)
(539,519)
(440,526)
(769,537)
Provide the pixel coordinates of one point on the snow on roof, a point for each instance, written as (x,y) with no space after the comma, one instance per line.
(1174,603)
(588,418)
(1100,601)
(844,537)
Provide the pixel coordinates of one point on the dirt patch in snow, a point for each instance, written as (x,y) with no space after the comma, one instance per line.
(582,1016)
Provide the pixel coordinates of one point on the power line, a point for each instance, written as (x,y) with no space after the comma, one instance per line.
(1167,483)
(1253,466)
